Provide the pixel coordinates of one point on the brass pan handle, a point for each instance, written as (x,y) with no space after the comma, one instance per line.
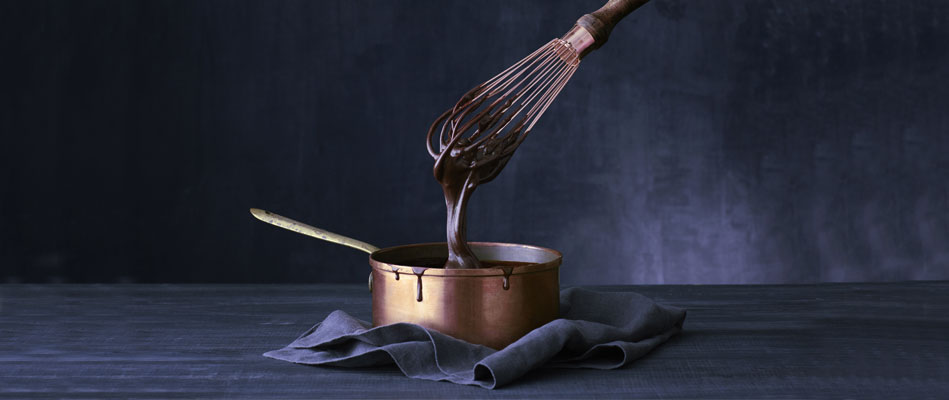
(311,231)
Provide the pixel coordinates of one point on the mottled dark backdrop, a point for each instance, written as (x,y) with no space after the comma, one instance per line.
(736,141)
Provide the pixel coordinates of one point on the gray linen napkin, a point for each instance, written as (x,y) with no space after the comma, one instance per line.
(602,330)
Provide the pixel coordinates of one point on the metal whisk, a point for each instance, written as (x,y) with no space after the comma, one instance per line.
(489,122)
(488,111)
(478,136)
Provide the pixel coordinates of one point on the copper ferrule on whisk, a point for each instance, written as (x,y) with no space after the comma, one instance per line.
(580,40)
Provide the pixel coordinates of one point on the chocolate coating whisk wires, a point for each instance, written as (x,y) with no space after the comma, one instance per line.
(479,134)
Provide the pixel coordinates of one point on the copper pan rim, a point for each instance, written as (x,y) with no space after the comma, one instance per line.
(394,259)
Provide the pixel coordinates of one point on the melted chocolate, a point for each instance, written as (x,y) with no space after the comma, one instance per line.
(458,183)
(418,271)
(396,270)
(439,262)
(507,277)
(479,143)
(423,264)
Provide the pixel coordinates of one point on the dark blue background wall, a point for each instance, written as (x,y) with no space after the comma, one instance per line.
(733,141)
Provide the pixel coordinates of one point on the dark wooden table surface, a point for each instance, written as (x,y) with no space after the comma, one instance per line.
(160,341)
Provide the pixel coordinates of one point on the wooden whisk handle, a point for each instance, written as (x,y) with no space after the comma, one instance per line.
(601,22)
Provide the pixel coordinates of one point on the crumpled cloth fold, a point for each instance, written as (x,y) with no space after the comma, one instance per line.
(602,330)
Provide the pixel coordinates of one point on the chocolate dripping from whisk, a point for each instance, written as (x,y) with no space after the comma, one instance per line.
(478,136)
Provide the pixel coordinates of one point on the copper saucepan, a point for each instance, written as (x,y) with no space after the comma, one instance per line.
(517,292)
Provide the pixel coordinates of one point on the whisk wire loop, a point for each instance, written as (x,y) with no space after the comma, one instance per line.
(492,119)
